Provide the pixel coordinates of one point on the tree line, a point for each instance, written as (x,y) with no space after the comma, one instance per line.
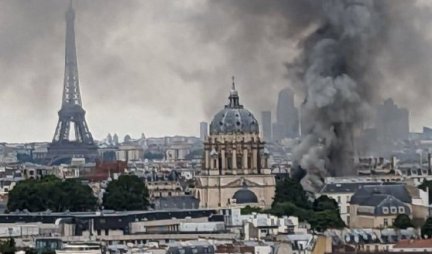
(126,193)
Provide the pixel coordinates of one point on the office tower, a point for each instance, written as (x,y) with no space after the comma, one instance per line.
(266,123)
(203,130)
(287,120)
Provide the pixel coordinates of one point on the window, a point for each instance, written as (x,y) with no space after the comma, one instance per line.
(348,209)
(385,222)
(385,210)
(393,209)
(239,161)
(339,199)
(401,209)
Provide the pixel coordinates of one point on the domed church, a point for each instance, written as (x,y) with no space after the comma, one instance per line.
(235,168)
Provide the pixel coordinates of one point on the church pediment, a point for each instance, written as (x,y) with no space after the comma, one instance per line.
(242,182)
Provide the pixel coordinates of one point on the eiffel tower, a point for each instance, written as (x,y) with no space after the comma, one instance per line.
(71,114)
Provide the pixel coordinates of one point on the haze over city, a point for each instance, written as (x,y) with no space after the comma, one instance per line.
(161,67)
(215,126)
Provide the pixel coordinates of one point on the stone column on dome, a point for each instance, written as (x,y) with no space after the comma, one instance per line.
(234,160)
(207,159)
(254,159)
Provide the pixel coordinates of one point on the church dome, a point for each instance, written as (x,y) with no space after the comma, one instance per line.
(245,196)
(234,118)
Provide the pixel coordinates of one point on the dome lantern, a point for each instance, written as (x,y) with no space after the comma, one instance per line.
(234,118)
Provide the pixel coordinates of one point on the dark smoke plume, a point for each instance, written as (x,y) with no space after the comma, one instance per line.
(333,70)
(352,54)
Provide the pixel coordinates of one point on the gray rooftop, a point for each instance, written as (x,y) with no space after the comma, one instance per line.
(176,203)
(343,187)
(350,187)
(398,191)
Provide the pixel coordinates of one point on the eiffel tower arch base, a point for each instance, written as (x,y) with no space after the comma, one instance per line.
(64,152)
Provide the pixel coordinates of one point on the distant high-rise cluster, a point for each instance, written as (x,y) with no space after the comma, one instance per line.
(286,124)
(390,126)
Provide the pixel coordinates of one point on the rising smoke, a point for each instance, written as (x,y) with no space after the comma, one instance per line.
(333,68)
(352,54)
(340,72)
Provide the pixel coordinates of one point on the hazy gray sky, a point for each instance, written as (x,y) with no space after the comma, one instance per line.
(160,66)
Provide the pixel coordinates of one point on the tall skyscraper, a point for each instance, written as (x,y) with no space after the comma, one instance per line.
(266,123)
(203,130)
(287,120)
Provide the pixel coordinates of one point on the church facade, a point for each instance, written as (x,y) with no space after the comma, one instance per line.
(235,168)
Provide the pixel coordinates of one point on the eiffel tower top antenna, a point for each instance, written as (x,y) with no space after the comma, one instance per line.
(71,91)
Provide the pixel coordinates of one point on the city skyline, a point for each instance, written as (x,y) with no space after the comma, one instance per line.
(131,72)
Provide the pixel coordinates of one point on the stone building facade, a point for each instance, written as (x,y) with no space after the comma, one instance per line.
(235,170)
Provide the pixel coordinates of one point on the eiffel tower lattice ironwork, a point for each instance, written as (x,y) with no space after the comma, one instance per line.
(68,143)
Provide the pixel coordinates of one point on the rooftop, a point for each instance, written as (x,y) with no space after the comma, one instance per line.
(413,244)
(343,187)
(398,191)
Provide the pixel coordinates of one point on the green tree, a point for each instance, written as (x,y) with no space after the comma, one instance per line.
(323,220)
(402,221)
(425,184)
(290,209)
(291,200)
(8,247)
(289,190)
(32,251)
(426,229)
(324,203)
(249,210)
(127,193)
(51,193)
